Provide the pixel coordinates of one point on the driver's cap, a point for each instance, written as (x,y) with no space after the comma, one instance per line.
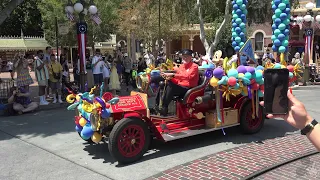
(187,52)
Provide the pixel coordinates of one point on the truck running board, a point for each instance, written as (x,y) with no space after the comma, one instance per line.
(187,133)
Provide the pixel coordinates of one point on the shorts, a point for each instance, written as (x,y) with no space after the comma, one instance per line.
(98,78)
(55,85)
(10,70)
(43,83)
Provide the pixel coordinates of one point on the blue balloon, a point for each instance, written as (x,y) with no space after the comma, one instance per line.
(242,34)
(235,6)
(239,12)
(274,48)
(234,44)
(277,2)
(277,21)
(243,39)
(287,10)
(105,113)
(232,21)
(283,16)
(260,68)
(84,137)
(277,42)
(286,32)
(234,25)
(281,37)
(243,17)
(78,128)
(238,30)
(237,48)
(244,20)
(87,131)
(274,27)
(233,2)
(274,7)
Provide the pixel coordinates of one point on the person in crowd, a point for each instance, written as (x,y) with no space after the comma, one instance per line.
(55,78)
(142,65)
(42,76)
(297,60)
(268,56)
(106,73)
(10,69)
(20,100)
(186,77)
(149,58)
(127,62)
(114,84)
(65,73)
(97,68)
(47,55)
(24,79)
(89,71)
(76,71)
(299,118)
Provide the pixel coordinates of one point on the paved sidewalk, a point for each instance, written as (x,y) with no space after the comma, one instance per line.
(307,168)
(240,162)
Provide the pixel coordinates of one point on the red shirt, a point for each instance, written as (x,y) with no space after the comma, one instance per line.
(187,75)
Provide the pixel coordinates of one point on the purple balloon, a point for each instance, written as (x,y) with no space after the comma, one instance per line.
(242,69)
(250,69)
(249,91)
(218,73)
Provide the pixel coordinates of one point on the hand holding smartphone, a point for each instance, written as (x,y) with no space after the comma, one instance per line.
(276,84)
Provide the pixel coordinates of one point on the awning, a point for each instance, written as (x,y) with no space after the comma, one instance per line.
(18,44)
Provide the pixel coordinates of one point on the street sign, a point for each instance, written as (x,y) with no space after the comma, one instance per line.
(63,29)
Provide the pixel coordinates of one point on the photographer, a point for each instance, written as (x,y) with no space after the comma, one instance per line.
(21,103)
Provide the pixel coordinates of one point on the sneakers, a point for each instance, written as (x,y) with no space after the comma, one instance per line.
(59,99)
(43,101)
(55,99)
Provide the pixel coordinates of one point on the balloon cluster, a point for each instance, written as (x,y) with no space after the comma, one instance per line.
(281,25)
(239,81)
(89,106)
(239,21)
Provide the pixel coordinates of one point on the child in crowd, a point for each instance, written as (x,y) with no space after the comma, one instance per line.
(20,100)
(114,84)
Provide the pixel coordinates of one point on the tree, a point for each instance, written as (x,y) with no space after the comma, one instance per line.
(25,17)
(96,33)
(7,6)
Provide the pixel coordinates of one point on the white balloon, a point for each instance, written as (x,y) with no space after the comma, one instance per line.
(78,7)
(307,18)
(318,18)
(93,9)
(309,6)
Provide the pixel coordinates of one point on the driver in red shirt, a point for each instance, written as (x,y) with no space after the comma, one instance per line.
(186,77)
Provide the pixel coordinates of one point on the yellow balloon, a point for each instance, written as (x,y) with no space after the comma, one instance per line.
(96,137)
(70,98)
(87,106)
(283,67)
(82,122)
(240,75)
(214,82)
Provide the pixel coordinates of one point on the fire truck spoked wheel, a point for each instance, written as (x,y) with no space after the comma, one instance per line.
(248,124)
(129,140)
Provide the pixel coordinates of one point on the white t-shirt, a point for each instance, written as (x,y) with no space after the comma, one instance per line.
(149,59)
(98,69)
(10,65)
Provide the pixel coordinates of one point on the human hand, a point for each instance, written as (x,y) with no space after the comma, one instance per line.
(297,115)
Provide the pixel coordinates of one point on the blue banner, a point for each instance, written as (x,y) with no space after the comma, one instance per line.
(248,50)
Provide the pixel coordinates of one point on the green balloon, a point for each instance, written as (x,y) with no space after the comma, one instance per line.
(244,30)
(274,17)
(233,12)
(238,39)
(286,38)
(235,16)
(282,49)
(245,12)
(239,2)
(243,7)
(241,44)
(239,21)
(286,1)
(233,30)
(277,32)
(282,6)
(286,22)
(282,26)
(234,34)
(242,25)
(285,43)
(277,12)
(273,37)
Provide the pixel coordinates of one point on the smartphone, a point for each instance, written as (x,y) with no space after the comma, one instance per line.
(276,84)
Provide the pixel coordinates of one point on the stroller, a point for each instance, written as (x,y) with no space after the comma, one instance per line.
(314,76)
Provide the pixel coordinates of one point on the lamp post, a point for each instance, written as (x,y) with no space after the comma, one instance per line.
(81,7)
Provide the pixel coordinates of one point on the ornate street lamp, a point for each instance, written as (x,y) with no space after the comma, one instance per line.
(81,7)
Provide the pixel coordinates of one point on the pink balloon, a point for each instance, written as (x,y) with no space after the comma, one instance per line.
(232,81)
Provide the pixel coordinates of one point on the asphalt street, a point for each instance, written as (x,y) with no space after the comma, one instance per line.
(44,145)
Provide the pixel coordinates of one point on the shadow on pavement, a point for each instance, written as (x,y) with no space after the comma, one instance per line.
(272,129)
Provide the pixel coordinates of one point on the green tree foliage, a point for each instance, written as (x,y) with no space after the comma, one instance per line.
(25,17)
(96,33)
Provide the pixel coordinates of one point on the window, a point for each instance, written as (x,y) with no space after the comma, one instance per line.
(318,4)
(258,41)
